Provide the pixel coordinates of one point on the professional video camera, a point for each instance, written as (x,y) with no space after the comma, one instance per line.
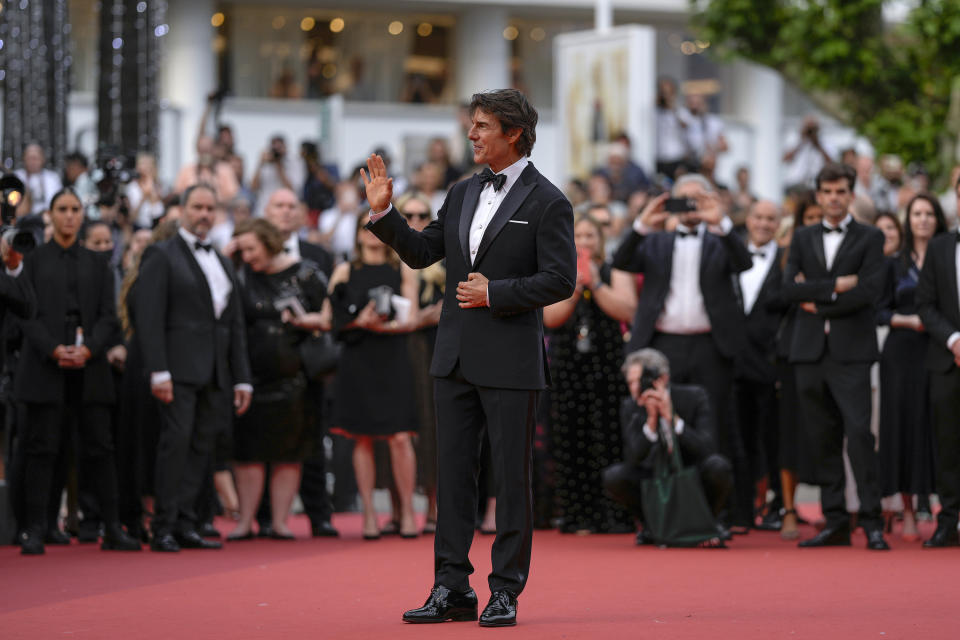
(11,190)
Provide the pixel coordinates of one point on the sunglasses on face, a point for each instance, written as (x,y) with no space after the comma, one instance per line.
(420,216)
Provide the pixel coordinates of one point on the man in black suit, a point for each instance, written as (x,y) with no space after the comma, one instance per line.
(758,291)
(835,273)
(939,302)
(507,236)
(192,333)
(285,212)
(680,411)
(688,309)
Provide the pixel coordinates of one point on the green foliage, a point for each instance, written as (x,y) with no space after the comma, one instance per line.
(891,82)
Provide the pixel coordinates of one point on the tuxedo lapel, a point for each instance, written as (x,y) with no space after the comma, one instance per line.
(467,209)
(197,272)
(818,246)
(848,238)
(950,261)
(515,197)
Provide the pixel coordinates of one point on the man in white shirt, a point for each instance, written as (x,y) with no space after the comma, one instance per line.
(41,183)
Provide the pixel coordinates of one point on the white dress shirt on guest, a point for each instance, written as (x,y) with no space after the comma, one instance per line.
(684,311)
(490,201)
(751,280)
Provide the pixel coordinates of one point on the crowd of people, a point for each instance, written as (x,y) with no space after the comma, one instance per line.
(186,350)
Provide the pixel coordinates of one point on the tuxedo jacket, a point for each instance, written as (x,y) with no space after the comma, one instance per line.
(39,378)
(527,253)
(721,257)
(756,361)
(175,322)
(853,314)
(691,403)
(937,299)
(318,255)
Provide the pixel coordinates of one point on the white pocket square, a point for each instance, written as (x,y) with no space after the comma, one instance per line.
(518,221)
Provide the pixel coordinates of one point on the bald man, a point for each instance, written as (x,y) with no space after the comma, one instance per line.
(285,211)
(758,290)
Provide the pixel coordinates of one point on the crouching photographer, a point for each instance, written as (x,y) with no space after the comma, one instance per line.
(660,419)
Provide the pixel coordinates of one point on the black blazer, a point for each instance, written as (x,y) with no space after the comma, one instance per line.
(527,253)
(756,361)
(937,299)
(39,379)
(721,257)
(175,323)
(853,314)
(691,403)
(318,255)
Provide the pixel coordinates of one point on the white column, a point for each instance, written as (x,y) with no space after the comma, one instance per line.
(602,15)
(483,54)
(188,69)
(758,100)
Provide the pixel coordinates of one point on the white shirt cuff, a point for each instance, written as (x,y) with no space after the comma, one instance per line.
(641,228)
(953,339)
(488,294)
(159,377)
(376,215)
(15,272)
(725,226)
(651,434)
(678,426)
(243,386)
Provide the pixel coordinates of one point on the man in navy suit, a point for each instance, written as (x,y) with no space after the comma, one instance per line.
(507,236)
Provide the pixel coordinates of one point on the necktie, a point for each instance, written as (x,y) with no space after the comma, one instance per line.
(202,246)
(496,179)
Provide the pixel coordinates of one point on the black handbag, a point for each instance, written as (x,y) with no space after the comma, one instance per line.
(319,353)
(675,509)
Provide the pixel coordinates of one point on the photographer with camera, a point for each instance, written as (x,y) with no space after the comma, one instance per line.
(659,414)
(807,155)
(274,171)
(688,309)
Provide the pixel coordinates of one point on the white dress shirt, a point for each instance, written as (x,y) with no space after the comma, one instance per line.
(490,201)
(832,241)
(220,288)
(291,246)
(751,280)
(684,311)
(653,436)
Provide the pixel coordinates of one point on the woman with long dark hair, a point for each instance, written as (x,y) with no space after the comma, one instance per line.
(906,431)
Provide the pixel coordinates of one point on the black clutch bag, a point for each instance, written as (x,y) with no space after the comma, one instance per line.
(320,354)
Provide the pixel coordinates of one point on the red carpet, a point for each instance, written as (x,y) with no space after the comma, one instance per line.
(581,587)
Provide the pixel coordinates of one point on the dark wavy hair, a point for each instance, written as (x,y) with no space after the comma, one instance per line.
(512,109)
(907,247)
(834,171)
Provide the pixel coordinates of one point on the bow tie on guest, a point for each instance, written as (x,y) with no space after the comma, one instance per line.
(759,254)
(202,246)
(827,229)
(683,232)
(496,179)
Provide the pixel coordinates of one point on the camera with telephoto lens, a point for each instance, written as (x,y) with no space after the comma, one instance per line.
(114,170)
(381,300)
(12,190)
(648,376)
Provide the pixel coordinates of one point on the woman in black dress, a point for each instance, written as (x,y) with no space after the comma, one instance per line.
(906,432)
(586,349)
(374,300)
(283,300)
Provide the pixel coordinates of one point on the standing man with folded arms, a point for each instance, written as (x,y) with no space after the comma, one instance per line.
(507,236)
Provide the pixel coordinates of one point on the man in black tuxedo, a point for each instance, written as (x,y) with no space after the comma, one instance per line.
(939,302)
(507,236)
(835,273)
(758,291)
(285,212)
(683,412)
(688,309)
(192,333)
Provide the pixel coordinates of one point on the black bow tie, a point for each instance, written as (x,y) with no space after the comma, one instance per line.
(827,229)
(497,179)
(686,234)
(202,246)
(759,254)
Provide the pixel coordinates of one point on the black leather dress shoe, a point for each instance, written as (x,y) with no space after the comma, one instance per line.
(164,542)
(943,537)
(829,537)
(193,540)
(55,536)
(643,538)
(501,611)
(875,541)
(209,531)
(324,529)
(444,605)
(116,539)
(31,544)
(88,532)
